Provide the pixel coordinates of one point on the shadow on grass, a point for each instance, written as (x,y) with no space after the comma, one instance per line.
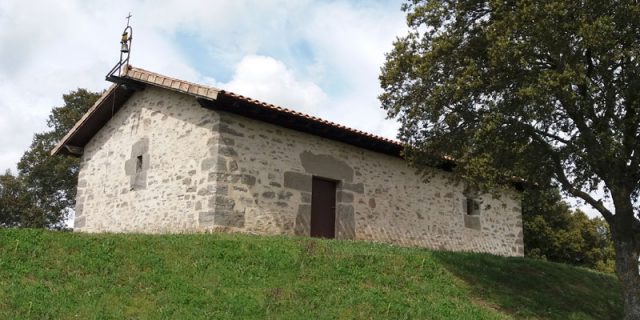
(527,288)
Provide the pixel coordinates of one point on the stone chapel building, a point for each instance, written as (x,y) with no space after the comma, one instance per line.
(164,155)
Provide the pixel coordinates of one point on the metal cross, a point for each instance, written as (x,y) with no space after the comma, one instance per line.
(128,17)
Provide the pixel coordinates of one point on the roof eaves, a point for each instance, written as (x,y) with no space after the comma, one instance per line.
(58,148)
(310,117)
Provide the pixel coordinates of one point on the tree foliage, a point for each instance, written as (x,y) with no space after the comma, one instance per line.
(554,232)
(15,203)
(45,187)
(533,89)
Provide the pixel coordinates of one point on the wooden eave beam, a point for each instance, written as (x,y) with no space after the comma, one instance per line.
(73,150)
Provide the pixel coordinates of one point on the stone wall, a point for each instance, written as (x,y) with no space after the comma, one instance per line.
(164,164)
(267,180)
(146,169)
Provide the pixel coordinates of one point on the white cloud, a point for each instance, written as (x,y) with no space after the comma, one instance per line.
(269,80)
(350,48)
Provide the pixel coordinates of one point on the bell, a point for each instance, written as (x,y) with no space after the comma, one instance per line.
(125,39)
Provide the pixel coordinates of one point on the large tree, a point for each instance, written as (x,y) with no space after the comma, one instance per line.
(533,89)
(43,193)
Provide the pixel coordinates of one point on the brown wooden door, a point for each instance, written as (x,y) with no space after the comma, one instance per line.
(323,208)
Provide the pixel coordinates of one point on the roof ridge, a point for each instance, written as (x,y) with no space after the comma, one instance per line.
(171,83)
(131,68)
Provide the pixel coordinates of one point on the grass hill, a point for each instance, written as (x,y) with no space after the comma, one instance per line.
(59,275)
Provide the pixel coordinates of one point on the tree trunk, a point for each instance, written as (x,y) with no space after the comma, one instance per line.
(627,271)
(627,246)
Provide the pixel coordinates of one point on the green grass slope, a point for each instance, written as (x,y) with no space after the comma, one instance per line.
(222,276)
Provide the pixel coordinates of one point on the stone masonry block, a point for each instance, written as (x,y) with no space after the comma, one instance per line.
(209,163)
(326,166)
(472,222)
(224,128)
(221,203)
(305,197)
(284,195)
(227,151)
(205,219)
(78,209)
(297,181)
(138,181)
(345,197)
(79,222)
(354,187)
(229,219)
(269,194)
(228,141)
(248,179)
(232,166)
(345,222)
(303,220)
(140,147)
(223,177)
(222,218)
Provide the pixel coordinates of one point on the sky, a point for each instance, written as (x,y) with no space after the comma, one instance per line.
(318,57)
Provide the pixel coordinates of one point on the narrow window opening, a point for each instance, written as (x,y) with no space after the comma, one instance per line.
(138,164)
(473,207)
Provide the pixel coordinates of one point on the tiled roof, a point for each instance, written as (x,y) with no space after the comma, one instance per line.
(211,92)
(135,78)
